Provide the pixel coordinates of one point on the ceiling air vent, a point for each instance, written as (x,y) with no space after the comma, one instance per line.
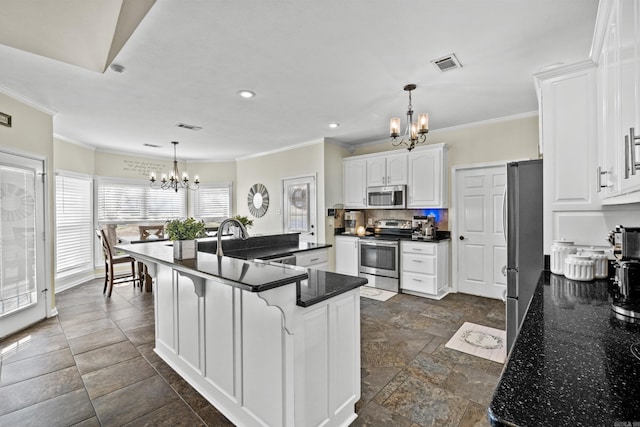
(190,127)
(447,63)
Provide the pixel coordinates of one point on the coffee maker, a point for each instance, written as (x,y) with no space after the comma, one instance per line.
(626,286)
(424,227)
(353,220)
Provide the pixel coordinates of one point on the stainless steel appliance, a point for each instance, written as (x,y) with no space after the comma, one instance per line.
(525,252)
(424,227)
(353,220)
(380,254)
(626,295)
(391,197)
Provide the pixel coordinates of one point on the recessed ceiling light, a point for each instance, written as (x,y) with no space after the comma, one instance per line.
(246,93)
(334,125)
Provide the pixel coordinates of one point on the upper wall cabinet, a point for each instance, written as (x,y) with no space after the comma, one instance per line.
(618,36)
(424,171)
(568,113)
(428,170)
(387,170)
(354,182)
(568,137)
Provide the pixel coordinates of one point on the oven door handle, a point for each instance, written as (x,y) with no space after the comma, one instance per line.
(370,243)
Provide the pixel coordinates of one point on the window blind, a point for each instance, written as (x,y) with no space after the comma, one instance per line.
(129,201)
(74,223)
(212,202)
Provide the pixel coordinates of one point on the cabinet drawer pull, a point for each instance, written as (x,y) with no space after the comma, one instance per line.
(417,280)
(633,143)
(600,172)
(626,156)
(313,259)
(417,260)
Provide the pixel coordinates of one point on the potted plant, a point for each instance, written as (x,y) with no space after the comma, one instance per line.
(183,233)
(248,223)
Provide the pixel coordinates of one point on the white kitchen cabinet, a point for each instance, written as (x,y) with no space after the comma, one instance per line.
(428,172)
(317,258)
(347,255)
(568,137)
(619,101)
(387,170)
(425,268)
(354,183)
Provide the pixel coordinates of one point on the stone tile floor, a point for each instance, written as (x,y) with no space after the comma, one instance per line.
(94,365)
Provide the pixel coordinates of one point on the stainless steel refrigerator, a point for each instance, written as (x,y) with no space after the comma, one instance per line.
(525,252)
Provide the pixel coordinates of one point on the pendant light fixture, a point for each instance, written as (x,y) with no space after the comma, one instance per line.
(415,132)
(174,182)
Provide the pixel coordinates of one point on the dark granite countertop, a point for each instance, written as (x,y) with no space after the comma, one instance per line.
(571,364)
(313,286)
(261,247)
(439,237)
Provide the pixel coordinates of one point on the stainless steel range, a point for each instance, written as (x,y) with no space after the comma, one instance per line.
(380,254)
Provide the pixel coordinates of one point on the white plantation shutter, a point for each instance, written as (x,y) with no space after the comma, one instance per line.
(212,202)
(74,222)
(120,201)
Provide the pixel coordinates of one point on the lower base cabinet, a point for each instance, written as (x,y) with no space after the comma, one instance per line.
(425,268)
(347,255)
(318,259)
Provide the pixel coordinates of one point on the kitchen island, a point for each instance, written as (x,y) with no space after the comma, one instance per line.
(266,344)
(572,363)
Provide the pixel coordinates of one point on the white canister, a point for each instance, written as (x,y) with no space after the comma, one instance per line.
(601,262)
(579,267)
(559,251)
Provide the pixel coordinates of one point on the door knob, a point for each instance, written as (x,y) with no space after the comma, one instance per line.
(504,270)
(461,237)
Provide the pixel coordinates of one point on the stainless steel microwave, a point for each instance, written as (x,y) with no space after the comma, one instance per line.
(391,197)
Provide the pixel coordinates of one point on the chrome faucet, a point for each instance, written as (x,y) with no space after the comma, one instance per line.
(243,233)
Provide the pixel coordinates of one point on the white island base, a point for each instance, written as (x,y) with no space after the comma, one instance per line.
(259,358)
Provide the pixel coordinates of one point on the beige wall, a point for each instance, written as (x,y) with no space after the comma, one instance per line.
(269,170)
(333,155)
(506,139)
(83,159)
(72,157)
(31,134)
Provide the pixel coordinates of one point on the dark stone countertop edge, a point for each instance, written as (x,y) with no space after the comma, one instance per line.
(333,284)
(163,254)
(347,283)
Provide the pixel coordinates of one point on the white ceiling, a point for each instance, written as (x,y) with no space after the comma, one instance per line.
(310,62)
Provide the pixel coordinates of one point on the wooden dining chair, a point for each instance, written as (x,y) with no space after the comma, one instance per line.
(111,261)
(148,232)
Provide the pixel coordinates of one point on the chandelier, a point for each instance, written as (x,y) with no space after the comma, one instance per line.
(174,182)
(415,132)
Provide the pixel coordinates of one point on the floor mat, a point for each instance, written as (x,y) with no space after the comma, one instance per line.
(376,294)
(482,341)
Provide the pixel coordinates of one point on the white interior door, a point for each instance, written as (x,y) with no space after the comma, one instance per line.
(299,198)
(22,266)
(481,249)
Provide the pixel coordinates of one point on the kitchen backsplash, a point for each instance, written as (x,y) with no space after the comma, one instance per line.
(371,215)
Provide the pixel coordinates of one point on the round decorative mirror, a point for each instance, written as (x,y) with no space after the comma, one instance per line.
(258,200)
